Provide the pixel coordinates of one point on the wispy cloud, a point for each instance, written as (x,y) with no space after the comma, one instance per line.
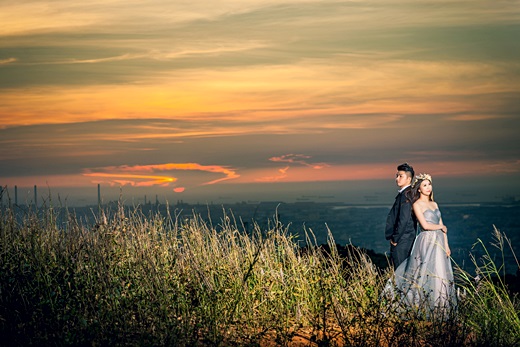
(292,159)
(474,117)
(208,50)
(300,159)
(229,173)
(282,174)
(133,180)
(122,57)
(7,61)
(135,175)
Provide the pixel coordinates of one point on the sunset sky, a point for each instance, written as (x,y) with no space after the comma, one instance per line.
(256,99)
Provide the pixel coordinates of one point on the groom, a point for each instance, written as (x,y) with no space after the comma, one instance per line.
(401,224)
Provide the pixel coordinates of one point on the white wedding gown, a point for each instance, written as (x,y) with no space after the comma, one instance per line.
(424,281)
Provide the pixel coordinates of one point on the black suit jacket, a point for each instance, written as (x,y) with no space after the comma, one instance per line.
(401,221)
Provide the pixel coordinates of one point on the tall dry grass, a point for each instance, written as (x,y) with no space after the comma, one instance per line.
(135,279)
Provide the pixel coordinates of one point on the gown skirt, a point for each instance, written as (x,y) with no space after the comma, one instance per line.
(424,281)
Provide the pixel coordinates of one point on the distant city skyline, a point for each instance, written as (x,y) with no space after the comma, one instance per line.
(257,100)
(378,192)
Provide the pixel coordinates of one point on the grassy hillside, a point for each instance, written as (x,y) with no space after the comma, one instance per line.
(131,279)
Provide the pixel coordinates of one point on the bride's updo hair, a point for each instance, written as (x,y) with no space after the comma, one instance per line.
(413,194)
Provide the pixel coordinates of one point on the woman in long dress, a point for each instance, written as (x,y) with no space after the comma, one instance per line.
(424,281)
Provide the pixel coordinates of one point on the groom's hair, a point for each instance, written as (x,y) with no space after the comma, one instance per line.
(406,168)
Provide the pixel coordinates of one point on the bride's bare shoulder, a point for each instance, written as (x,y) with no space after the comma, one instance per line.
(419,206)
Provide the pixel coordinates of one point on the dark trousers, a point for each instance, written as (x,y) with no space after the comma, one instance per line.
(400,252)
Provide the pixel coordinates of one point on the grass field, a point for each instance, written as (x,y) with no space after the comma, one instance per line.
(156,280)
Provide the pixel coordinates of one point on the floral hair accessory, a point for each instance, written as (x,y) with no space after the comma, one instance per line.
(422,177)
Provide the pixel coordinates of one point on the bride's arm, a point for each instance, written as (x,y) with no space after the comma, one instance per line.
(446,246)
(422,221)
(440,220)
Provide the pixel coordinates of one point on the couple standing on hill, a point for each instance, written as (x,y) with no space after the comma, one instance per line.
(423,274)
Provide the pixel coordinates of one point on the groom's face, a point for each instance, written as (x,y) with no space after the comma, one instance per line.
(402,179)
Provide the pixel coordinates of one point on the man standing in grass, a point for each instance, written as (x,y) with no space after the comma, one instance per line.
(401,224)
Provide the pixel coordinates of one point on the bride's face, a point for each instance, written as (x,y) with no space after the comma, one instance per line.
(425,188)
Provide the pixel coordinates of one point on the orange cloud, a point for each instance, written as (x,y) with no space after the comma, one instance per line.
(299,159)
(7,61)
(283,174)
(134,175)
(134,180)
(229,173)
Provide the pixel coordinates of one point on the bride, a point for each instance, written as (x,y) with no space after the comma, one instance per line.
(424,281)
